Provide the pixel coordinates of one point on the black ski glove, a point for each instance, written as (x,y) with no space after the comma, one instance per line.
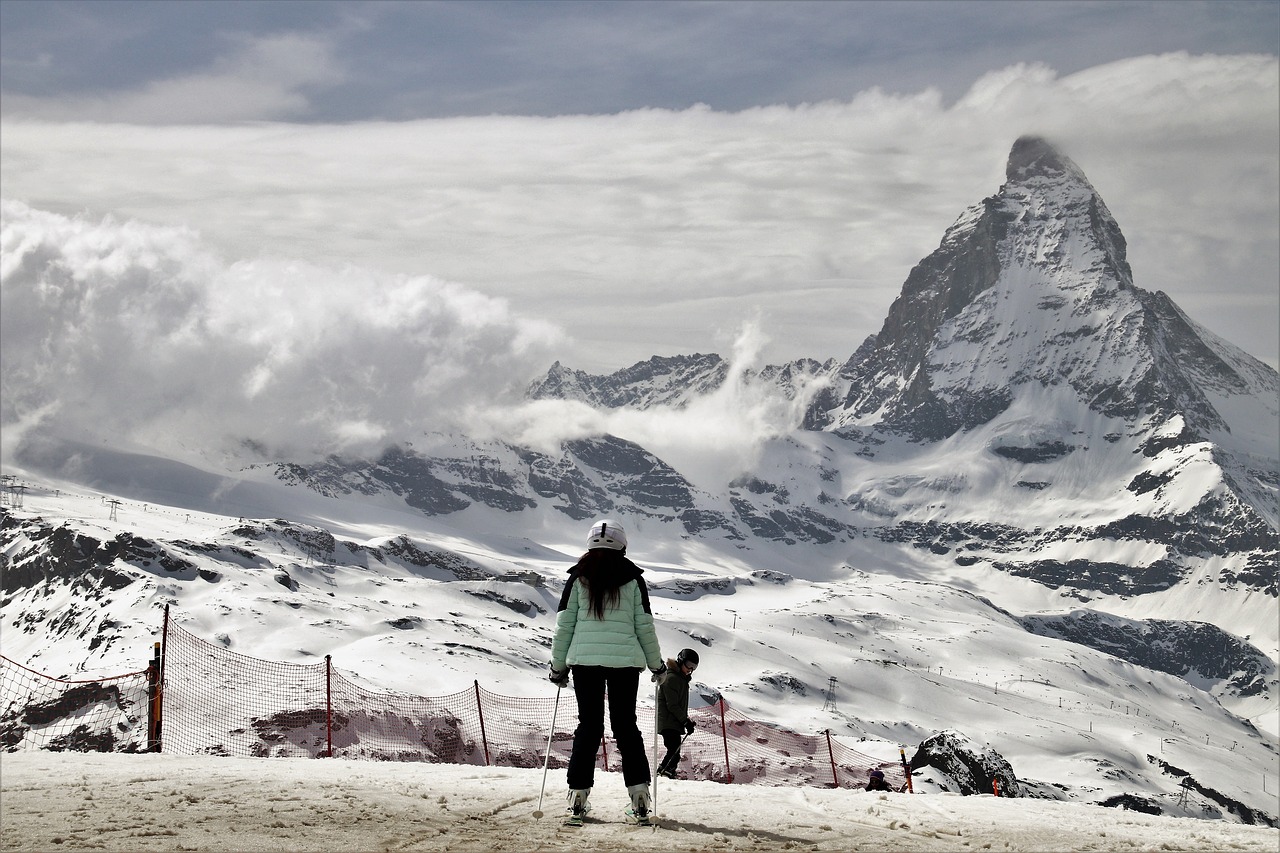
(689,727)
(559,677)
(655,674)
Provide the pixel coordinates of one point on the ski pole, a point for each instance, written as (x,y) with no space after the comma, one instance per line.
(546,762)
(657,692)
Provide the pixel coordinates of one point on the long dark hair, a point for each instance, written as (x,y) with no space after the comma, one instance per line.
(602,571)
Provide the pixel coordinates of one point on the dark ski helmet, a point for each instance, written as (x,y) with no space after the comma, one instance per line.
(876,774)
(687,657)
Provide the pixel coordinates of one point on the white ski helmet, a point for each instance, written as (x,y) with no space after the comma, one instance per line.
(607,534)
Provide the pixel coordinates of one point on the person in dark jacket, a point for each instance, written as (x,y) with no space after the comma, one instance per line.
(673,708)
(605,636)
(876,782)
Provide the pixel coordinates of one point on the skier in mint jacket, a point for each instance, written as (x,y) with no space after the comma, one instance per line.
(605,636)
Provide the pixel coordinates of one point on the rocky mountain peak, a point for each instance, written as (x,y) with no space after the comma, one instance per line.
(1034,156)
(1030,286)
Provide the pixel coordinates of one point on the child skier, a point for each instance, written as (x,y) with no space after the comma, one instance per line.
(876,781)
(673,707)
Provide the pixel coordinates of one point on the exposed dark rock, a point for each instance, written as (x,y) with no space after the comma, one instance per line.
(1092,575)
(1178,648)
(970,767)
(1043,452)
(1246,813)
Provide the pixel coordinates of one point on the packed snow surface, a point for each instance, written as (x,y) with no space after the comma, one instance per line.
(66,801)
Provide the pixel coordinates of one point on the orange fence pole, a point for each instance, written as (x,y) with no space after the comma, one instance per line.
(153,702)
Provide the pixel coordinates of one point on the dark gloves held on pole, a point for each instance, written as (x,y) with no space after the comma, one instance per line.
(559,677)
(688,727)
(655,673)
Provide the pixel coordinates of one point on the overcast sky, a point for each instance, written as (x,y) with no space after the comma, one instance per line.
(515,183)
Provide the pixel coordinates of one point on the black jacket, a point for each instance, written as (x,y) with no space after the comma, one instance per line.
(673,698)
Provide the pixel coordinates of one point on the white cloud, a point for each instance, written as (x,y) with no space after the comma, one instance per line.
(710,441)
(686,222)
(379,269)
(139,334)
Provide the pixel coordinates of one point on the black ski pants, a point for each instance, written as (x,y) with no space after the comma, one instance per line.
(590,684)
(671,739)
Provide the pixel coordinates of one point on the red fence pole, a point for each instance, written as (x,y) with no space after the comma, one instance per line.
(153,699)
(164,651)
(724,734)
(835,777)
(328,704)
(906,768)
(484,739)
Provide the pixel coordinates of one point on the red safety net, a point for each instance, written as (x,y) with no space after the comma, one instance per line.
(220,702)
(38,711)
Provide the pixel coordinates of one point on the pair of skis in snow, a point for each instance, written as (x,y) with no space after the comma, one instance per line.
(579,818)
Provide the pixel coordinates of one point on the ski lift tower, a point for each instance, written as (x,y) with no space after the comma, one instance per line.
(830,704)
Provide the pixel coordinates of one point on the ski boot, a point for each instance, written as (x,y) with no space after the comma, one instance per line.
(640,804)
(578,806)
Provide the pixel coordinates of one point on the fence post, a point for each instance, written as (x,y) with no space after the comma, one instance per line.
(724,735)
(835,776)
(484,738)
(328,705)
(906,768)
(153,701)
(164,656)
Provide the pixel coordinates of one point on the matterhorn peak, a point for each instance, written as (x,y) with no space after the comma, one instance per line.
(1035,156)
(1030,287)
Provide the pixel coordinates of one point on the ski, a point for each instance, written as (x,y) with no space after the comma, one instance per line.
(645,819)
(572,819)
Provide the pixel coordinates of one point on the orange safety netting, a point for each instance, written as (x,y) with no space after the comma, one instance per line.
(59,715)
(223,703)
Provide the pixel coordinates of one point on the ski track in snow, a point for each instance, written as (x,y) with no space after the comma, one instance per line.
(121,802)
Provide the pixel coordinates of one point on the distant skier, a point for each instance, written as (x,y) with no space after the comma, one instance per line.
(876,781)
(673,707)
(605,634)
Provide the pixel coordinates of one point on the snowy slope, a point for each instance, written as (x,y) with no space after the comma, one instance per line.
(134,803)
(911,655)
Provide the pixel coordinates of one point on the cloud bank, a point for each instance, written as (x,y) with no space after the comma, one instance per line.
(141,336)
(306,290)
(687,222)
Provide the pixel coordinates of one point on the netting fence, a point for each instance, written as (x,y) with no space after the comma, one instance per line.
(114,714)
(212,701)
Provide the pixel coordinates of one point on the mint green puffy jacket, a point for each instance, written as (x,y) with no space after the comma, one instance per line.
(624,638)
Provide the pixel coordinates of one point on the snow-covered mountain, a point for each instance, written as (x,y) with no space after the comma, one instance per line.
(1037,508)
